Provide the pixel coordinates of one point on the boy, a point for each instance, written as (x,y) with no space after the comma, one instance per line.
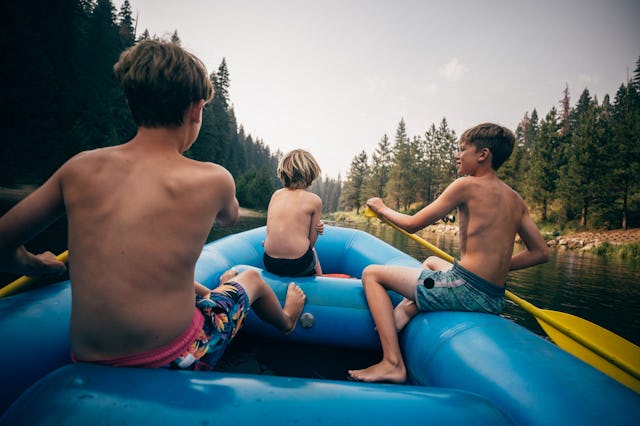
(490,215)
(139,214)
(293,219)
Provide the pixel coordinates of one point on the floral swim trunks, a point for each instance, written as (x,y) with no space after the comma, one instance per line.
(457,290)
(224,310)
(216,320)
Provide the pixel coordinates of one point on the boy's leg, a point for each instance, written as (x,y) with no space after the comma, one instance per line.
(407,309)
(318,267)
(403,312)
(437,264)
(376,280)
(265,303)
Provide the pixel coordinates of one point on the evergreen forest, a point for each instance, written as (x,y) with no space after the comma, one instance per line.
(576,165)
(60,97)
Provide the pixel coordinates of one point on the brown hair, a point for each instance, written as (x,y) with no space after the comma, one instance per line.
(498,139)
(298,169)
(160,81)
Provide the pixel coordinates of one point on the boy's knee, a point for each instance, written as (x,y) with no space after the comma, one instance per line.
(248,275)
(370,272)
(431,262)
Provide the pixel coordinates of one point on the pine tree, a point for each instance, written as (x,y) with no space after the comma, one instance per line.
(583,169)
(623,154)
(635,81)
(126,28)
(145,35)
(446,146)
(353,194)
(381,163)
(565,110)
(175,38)
(398,187)
(429,164)
(217,132)
(543,169)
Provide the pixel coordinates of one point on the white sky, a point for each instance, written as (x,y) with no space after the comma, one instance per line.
(335,76)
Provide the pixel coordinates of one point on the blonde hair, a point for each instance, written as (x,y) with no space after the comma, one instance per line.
(298,169)
(160,81)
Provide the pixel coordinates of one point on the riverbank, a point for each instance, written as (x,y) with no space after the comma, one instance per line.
(575,240)
(582,240)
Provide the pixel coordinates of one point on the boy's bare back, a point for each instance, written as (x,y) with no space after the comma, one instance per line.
(292,216)
(138,216)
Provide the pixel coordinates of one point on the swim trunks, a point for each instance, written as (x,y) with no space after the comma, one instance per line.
(224,310)
(217,318)
(304,266)
(457,290)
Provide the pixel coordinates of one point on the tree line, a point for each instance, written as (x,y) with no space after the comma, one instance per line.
(578,165)
(60,97)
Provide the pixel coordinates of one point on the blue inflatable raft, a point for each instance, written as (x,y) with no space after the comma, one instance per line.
(464,368)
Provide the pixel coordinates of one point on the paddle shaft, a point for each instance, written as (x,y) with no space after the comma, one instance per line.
(532,309)
(23,281)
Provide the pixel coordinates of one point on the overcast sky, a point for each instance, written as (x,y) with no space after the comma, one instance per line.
(335,76)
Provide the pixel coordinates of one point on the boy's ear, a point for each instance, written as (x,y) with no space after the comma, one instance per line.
(196,111)
(485,154)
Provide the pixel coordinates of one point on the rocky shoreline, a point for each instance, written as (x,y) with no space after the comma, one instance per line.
(584,240)
(587,240)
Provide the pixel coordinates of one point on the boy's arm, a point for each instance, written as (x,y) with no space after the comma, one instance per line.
(536,251)
(228,214)
(317,226)
(24,221)
(447,201)
(200,289)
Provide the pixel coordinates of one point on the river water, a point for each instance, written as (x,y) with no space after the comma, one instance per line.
(603,290)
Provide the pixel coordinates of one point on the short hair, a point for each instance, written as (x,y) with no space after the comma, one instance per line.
(498,139)
(160,81)
(298,169)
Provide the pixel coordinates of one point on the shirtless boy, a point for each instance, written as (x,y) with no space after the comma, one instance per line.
(138,215)
(491,215)
(293,219)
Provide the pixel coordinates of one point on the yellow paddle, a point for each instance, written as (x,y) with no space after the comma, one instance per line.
(23,281)
(595,345)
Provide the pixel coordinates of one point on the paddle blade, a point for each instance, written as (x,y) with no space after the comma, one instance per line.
(626,353)
(368,212)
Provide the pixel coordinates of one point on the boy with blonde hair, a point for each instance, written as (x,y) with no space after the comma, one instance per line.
(139,214)
(490,214)
(293,219)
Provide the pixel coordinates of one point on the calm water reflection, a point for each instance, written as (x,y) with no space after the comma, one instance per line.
(605,291)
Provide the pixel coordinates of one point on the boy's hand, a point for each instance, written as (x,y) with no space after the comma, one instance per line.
(376,204)
(43,264)
(320,228)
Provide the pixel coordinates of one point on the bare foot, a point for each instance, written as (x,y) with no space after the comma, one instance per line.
(293,305)
(403,312)
(226,277)
(381,372)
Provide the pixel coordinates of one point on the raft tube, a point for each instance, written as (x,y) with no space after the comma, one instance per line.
(465,368)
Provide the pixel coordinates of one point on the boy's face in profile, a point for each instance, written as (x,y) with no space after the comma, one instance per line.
(466,158)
